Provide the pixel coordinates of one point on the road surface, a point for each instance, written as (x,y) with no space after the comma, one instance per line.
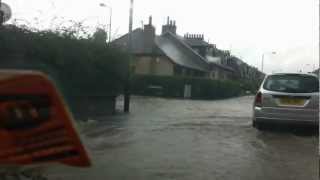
(192,140)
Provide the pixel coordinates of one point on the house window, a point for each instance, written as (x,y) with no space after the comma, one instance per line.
(157,60)
(190,72)
(213,75)
(133,69)
(177,70)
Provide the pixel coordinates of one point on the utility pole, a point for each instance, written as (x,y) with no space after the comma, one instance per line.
(128,81)
(1,15)
(110,25)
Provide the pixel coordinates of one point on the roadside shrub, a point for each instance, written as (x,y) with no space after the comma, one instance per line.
(81,66)
(168,86)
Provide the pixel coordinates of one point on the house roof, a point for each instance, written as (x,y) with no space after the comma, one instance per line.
(196,42)
(173,46)
(213,59)
(180,53)
(137,41)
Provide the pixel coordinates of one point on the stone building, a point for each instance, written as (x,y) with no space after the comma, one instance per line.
(170,54)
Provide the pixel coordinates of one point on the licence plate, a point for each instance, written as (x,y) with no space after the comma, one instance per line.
(292,101)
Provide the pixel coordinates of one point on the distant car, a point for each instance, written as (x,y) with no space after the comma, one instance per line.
(287,98)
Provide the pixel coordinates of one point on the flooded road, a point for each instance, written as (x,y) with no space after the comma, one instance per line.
(185,139)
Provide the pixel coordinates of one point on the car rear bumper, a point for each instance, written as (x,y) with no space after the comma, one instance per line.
(299,118)
(286,121)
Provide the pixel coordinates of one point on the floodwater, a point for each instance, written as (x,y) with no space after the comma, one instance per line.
(191,139)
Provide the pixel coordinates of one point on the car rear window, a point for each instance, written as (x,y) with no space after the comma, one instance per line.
(292,83)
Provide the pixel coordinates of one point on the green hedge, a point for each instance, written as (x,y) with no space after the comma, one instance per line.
(81,66)
(174,87)
(251,86)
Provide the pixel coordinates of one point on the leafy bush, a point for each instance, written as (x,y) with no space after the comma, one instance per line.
(81,66)
(174,87)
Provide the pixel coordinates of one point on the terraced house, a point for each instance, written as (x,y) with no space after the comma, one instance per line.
(170,54)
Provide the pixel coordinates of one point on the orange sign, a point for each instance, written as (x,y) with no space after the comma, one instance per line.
(35,125)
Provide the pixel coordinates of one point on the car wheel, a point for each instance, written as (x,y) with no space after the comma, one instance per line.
(260,126)
(254,124)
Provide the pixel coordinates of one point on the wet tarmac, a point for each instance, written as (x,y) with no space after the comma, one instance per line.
(188,139)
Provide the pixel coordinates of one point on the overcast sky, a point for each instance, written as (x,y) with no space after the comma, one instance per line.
(248,28)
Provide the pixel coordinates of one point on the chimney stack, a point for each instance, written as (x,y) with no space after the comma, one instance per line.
(170,26)
(149,33)
(194,36)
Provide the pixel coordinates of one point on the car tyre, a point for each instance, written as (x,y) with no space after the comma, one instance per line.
(258,125)
(254,124)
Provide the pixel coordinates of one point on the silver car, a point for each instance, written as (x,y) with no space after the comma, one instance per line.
(287,98)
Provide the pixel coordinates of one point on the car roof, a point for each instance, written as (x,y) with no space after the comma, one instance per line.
(307,74)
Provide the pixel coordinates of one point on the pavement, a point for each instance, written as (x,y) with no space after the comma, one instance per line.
(192,139)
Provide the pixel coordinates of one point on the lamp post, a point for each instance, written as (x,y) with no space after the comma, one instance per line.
(262,58)
(110,19)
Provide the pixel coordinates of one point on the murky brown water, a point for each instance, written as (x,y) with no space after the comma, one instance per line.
(184,139)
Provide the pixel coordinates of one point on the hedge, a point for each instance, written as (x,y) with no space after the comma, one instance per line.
(173,86)
(79,65)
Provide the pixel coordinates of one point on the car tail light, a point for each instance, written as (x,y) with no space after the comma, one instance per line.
(258,100)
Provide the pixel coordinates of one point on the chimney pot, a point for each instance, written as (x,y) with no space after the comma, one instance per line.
(168,19)
(150,20)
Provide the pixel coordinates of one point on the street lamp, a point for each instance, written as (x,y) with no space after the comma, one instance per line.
(110,18)
(262,60)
